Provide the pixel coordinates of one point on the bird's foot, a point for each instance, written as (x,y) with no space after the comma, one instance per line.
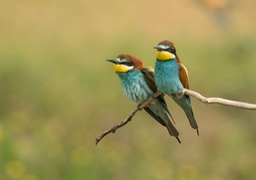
(181,92)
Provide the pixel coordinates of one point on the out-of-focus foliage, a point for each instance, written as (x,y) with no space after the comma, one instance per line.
(57,93)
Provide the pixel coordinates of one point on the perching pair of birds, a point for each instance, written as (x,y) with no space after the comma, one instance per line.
(169,77)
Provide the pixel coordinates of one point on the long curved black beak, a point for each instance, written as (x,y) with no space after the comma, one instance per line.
(112,60)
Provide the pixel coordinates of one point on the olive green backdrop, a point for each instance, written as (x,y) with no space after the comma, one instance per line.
(57,93)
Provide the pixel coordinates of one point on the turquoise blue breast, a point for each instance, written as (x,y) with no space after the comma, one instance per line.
(167,77)
(135,86)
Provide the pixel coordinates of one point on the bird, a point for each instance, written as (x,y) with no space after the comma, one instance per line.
(138,85)
(171,76)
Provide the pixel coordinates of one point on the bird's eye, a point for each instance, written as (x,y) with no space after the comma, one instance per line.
(171,50)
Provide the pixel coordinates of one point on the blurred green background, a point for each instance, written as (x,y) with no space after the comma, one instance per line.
(57,93)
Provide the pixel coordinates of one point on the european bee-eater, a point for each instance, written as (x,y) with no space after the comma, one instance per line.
(138,85)
(171,76)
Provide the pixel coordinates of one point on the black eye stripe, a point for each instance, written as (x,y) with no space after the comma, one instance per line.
(171,50)
(127,63)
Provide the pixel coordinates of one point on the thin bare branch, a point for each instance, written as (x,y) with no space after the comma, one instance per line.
(217,100)
(129,118)
(198,96)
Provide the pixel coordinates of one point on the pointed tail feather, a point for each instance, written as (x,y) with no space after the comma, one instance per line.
(185,104)
(192,120)
(172,130)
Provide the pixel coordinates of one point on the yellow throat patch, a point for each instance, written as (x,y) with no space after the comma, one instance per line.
(122,68)
(164,56)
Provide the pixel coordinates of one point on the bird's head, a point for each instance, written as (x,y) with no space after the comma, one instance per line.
(124,63)
(166,51)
